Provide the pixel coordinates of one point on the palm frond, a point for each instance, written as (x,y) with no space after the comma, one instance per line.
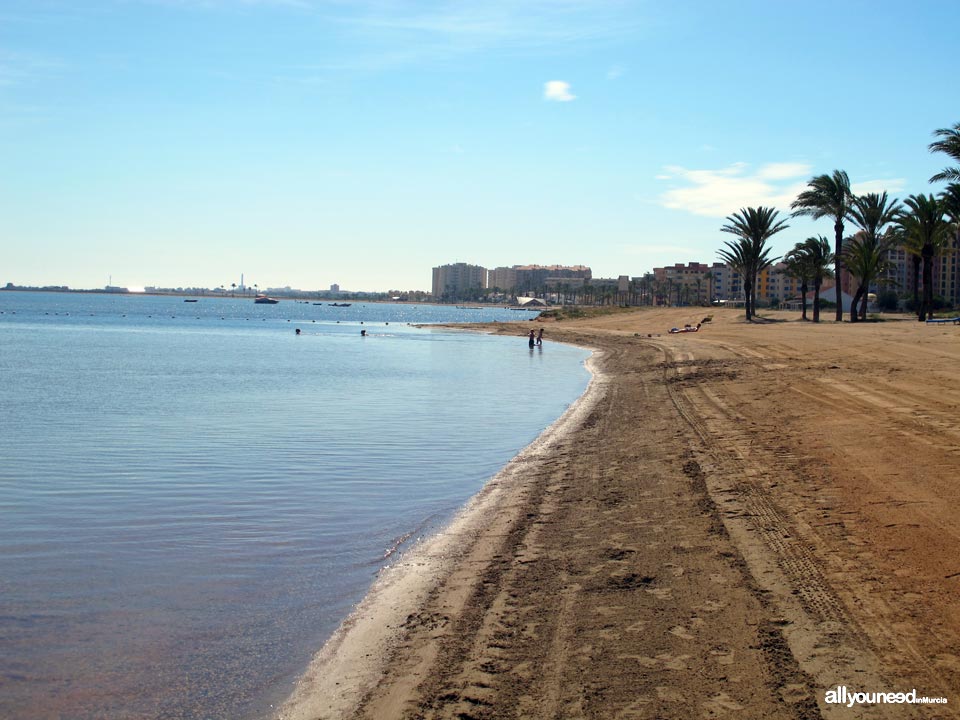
(948,143)
(950,174)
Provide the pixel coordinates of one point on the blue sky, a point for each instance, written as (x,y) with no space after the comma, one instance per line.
(310,142)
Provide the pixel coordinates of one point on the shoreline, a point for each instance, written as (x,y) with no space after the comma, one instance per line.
(356,656)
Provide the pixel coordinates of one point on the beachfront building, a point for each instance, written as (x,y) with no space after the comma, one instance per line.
(503,279)
(459,281)
(534,279)
(775,287)
(727,283)
(946,274)
(690,284)
(901,279)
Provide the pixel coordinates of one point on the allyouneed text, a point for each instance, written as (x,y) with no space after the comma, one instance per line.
(840,695)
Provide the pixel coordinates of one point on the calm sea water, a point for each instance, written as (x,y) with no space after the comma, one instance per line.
(193,497)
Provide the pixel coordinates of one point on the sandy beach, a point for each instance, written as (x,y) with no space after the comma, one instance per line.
(729,523)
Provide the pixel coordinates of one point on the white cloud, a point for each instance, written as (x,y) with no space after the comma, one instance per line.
(558,90)
(718,193)
(878,186)
(783,171)
(615,72)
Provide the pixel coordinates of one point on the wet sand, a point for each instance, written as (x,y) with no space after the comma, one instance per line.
(729,523)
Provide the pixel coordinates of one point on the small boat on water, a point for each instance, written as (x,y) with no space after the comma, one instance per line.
(264,300)
(339,304)
(191,300)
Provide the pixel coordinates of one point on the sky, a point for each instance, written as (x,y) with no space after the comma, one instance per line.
(180,143)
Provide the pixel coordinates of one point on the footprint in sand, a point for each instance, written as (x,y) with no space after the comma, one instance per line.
(674,663)
(675,570)
(607,610)
(662,593)
(647,662)
(710,606)
(724,656)
(670,694)
(681,632)
(636,709)
(721,705)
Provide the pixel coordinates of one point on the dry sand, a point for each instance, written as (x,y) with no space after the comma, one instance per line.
(730,523)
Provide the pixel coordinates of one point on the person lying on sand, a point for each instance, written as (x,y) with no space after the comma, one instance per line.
(686,329)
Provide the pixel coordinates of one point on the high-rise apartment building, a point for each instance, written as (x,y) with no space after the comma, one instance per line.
(459,280)
(502,278)
(535,278)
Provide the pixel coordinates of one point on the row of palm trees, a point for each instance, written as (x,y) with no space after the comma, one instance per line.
(922,224)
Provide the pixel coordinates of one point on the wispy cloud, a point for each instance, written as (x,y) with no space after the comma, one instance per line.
(891,185)
(379,35)
(389,34)
(558,91)
(717,193)
(533,22)
(783,171)
(615,72)
(720,192)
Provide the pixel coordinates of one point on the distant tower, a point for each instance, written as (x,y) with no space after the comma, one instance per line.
(241,282)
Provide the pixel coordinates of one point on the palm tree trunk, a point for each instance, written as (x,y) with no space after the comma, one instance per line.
(863,304)
(838,230)
(926,309)
(854,306)
(916,284)
(816,301)
(803,299)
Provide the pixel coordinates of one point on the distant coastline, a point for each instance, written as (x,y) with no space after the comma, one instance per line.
(249,293)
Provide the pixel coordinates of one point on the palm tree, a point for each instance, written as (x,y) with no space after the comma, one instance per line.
(865,256)
(948,143)
(796,267)
(708,276)
(913,246)
(828,196)
(950,200)
(926,227)
(749,254)
(819,258)
(736,256)
(871,213)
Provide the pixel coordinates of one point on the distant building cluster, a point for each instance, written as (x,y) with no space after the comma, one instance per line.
(692,283)
(465,281)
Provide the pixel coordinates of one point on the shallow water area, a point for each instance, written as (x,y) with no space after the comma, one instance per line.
(194,496)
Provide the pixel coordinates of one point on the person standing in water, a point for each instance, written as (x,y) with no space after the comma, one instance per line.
(540,337)
(532,339)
